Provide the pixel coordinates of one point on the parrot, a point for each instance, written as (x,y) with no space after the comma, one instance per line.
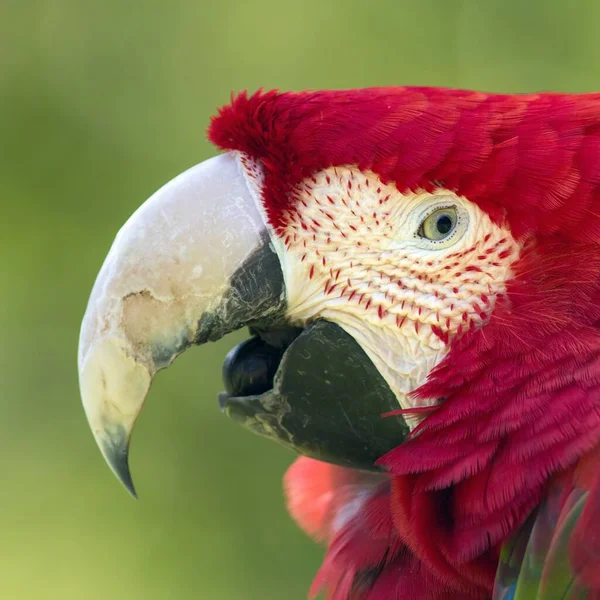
(419,272)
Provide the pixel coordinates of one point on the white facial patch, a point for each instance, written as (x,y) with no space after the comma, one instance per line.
(352,253)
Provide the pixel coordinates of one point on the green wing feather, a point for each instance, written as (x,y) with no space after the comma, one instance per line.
(537,563)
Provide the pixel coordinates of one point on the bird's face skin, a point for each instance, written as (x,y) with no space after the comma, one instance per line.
(402,273)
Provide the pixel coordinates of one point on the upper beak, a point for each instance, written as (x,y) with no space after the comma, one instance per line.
(193,263)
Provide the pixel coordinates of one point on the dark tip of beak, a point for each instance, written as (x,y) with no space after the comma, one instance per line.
(116,452)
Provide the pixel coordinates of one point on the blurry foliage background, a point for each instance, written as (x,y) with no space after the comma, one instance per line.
(103,101)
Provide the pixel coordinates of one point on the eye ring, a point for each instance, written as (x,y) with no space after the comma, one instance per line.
(440,224)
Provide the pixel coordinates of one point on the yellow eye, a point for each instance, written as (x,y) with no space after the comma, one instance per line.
(439,225)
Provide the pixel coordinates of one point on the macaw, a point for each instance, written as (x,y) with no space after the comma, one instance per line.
(419,269)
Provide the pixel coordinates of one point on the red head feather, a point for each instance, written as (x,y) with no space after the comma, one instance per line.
(522,394)
(534,158)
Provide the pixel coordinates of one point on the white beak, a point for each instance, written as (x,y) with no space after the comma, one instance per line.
(166,284)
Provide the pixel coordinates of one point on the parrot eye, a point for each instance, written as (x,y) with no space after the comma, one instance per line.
(439,225)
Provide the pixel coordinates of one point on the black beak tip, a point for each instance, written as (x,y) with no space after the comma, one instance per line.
(117,456)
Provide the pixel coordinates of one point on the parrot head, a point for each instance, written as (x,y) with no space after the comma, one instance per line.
(412,264)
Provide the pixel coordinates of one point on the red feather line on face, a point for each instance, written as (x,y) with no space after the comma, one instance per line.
(522,394)
(416,411)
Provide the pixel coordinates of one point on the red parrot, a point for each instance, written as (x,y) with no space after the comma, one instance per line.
(420,272)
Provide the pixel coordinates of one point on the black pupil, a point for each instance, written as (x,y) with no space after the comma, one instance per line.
(444,224)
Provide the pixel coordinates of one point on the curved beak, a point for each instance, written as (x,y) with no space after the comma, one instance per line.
(193,263)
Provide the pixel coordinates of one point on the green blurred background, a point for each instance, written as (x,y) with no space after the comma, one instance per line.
(101,102)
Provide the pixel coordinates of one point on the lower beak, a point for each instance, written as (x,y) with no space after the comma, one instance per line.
(193,263)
